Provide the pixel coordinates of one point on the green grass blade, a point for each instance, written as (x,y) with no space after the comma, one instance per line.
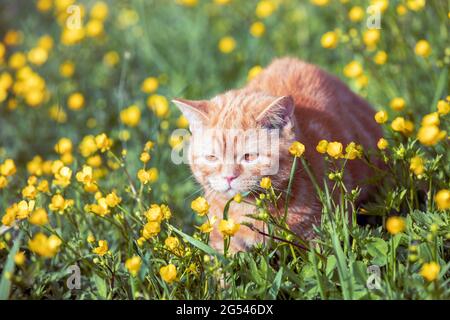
(5,283)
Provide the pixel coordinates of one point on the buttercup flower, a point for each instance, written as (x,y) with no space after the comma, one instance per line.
(168,273)
(227,44)
(44,246)
(423,48)
(200,206)
(334,149)
(102,248)
(265,183)
(20,258)
(151,229)
(353,69)
(228,227)
(149,85)
(395,225)
(154,213)
(442,199)
(430,271)
(265,8)
(430,135)
(381,117)
(103,142)
(207,227)
(133,265)
(39,217)
(382,144)
(402,125)
(257,29)
(297,149)
(329,40)
(75,101)
(131,116)
(443,107)
(398,104)
(322,146)
(417,165)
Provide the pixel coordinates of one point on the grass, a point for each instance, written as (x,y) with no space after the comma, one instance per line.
(406,242)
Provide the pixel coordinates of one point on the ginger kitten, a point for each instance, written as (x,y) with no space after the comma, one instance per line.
(303,103)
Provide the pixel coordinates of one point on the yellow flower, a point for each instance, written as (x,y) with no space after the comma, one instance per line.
(75,101)
(430,135)
(401,10)
(399,124)
(149,85)
(430,271)
(64,145)
(29,192)
(442,199)
(94,28)
(67,69)
(423,48)
(99,10)
(3,182)
(167,214)
(200,206)
(382,144)
(159,105)
(443,107)
(62,177)
(371,37)
(112,199)
(353,151)
(257,29)
(237,198)
(417,165)
(44,5)
(8,168)
(103,142)
(20,258)
(24,209)
(322,146)
(133,265)
(39,217)
(431,119)
(329,40)
(381,5)
(228,227)
(145,157)
(416,5)
(87,146)
(154,213)
(37,56)
(146,176)
(207,227)
(397,104)
(102,248)
(151,229)
(395,225)
(59,204)
(43,186)
(380,57)
(182,122)
(334,149)
(131,116)
(227,44)
(90,238)
(168,273)
(356,14)
(44,246)
(265,183)
(297,149)
(353,69)
(17,60)
(188,3)
(253,72)
(172,243)
(73,36)
(320,3)
(265,8)
(111,58)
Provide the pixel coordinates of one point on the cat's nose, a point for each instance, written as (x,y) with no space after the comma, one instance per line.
(230,178)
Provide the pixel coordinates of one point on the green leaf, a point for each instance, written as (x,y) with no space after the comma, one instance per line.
(273,291)
(101,286)
(5,283)
(378,250)
(199,244)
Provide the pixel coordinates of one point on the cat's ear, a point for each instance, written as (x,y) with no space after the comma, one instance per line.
(278,113)
(195,111)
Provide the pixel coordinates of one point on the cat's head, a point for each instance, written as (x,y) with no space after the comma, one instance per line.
(238,138)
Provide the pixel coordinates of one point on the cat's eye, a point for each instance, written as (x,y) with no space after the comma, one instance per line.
(211,158)
(249,157)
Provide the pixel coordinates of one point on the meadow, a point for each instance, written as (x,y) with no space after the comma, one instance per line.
(92,207)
